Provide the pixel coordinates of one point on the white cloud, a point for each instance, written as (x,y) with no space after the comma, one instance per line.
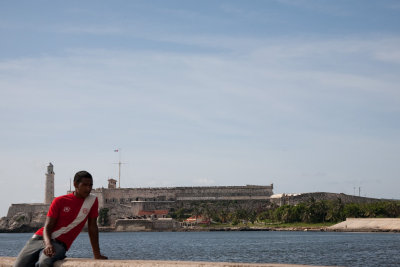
(391,55)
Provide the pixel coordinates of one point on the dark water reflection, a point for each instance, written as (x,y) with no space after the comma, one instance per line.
(314,248)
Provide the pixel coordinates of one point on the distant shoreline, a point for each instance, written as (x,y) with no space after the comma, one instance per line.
(251,229)
(266,229)
(391,225)
(287,229)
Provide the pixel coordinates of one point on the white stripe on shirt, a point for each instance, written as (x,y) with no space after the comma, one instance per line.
(87,204)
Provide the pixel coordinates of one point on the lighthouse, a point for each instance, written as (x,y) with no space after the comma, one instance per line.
(49,188)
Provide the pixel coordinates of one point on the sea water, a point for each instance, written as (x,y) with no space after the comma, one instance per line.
(313,248)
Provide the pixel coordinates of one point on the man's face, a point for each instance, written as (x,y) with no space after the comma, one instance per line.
(83,188)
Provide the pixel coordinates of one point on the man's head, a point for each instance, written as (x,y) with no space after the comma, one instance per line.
(83,183)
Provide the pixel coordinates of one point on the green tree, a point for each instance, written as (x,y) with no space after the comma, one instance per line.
(265,215)
(315,211)
(352,210)
(179,214)
(335,212)
(103,217)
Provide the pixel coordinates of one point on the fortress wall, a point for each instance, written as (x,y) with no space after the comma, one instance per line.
(245,203)
(28,208)
(127,225)
(226,204)
(126,195)
(133,225)
(196,198)
(119,211)
(165,224)
(294,200)
(228,191)
(157,205)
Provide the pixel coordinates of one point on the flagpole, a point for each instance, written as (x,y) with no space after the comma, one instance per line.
(119,168)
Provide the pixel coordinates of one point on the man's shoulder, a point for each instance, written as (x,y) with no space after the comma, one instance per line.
(62,198)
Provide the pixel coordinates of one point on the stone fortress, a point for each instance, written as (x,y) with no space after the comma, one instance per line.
(156,203)
(129,209)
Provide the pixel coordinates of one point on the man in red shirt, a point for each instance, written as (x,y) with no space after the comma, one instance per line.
(66,218)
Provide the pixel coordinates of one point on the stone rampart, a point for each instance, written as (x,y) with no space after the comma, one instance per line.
(136,225)
(165,225)
(127,195)
(231,205)
(301,198)
(127,225)
(28,208)
(198,198)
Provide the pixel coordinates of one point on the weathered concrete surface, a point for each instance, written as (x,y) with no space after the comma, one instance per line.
(8,262)
(368,225)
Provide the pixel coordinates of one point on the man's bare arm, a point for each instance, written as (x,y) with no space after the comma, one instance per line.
(94,238)
(49,225)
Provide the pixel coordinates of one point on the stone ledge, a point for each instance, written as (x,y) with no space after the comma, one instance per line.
(368,224)
(8,262)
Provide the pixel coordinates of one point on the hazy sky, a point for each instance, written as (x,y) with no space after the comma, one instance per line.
(301,94)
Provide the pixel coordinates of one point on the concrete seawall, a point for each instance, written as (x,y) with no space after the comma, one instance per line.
(368,225)
(8,262)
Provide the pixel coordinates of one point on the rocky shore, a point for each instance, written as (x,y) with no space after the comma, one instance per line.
(22,222)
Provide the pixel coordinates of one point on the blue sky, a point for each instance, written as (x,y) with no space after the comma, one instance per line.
(301,94)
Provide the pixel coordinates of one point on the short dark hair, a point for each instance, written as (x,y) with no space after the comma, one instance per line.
(80,175)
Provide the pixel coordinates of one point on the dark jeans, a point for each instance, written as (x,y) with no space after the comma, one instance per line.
(30,255)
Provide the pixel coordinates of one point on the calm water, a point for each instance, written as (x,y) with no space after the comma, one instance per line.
(314,248)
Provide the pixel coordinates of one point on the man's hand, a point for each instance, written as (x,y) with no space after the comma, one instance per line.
(49,250)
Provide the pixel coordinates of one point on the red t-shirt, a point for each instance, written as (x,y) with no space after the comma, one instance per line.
(65,209)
